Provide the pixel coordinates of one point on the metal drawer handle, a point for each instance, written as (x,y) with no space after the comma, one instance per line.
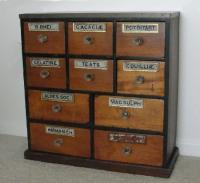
(138,41)
(88,40)
(89,77)
(58,142)
(56,108)
(125,115)
(127,151)
(139,80)
(42,38)
(44,74)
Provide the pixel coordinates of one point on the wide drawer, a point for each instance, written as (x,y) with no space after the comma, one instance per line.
(59,139)
(46,72)
(55,106)
(91,74)
(128,147)
(90,38)
(140,77)
(141,39)
(129,112)
(44,37)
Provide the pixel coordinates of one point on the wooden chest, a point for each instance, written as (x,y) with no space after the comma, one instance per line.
(101,90)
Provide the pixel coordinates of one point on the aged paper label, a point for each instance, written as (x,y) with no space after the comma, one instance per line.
(56,96)
(89,27)
(60,131)
(43,26)
(45,62)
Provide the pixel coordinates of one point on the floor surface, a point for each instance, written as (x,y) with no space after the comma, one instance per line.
(15,169)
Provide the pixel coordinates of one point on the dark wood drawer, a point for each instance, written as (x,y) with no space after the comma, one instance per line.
(90,38)
(91,75)
(129,112)
(46,72)
(128,147)
(44,37)
(141,39)
(140,77)
(66,107)
(59,139)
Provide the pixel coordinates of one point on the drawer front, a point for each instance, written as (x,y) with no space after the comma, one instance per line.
(44,37)
(129,112)
(56,106)
(90,38)
(141,39)
(91,75)
(58,139)
(140,77)
(129,148)
(46,72)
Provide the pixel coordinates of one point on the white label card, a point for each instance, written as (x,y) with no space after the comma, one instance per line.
(55,96)
(89,27)
(60,131)
(126,102)
(45,62)
(43,26)
(91,64)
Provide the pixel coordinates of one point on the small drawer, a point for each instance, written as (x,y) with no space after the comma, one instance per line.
(139,77)
(141,39)
(91,75)
(44,37)
(46,72)
(90,38)
(55,106)
(128,147)
(59,139)
(129,112)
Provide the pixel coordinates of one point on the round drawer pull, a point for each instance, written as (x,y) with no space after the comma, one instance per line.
(127,151)
(44,74)
(139,80)
(56,108)
(138,41)
(125,114)
(88,40)
(42,38)
(89,77)
(58,142)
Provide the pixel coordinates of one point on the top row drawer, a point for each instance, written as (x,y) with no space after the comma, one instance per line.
(138,39)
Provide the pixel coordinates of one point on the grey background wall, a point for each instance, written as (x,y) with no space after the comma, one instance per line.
(12,108)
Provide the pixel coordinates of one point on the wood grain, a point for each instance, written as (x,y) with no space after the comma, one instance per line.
(56,78)
(150,153)
(153,46)
(149,118)
(153,81)
(103,79)
(76,112)
(54,45)
(79,145)
(102,41)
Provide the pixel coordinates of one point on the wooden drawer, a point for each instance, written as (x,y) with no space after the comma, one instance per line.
(44,37)
(90,38)
(58,139)
(91,75)
(128,147)
(46,72)
(129,112)
(140,77)
(66,107)
(141,39)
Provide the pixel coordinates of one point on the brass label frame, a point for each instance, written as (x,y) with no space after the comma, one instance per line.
(89,27)
(44,26)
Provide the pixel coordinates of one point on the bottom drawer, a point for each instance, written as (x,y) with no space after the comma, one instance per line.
(59,139)
(128,147)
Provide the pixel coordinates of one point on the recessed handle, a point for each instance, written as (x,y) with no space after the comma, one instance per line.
(89,77)
(139,80)
(42,38)
(127,151)
(56,108)
(138,41)
(58,142)
(125,114)
(44,74)
(88,40)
